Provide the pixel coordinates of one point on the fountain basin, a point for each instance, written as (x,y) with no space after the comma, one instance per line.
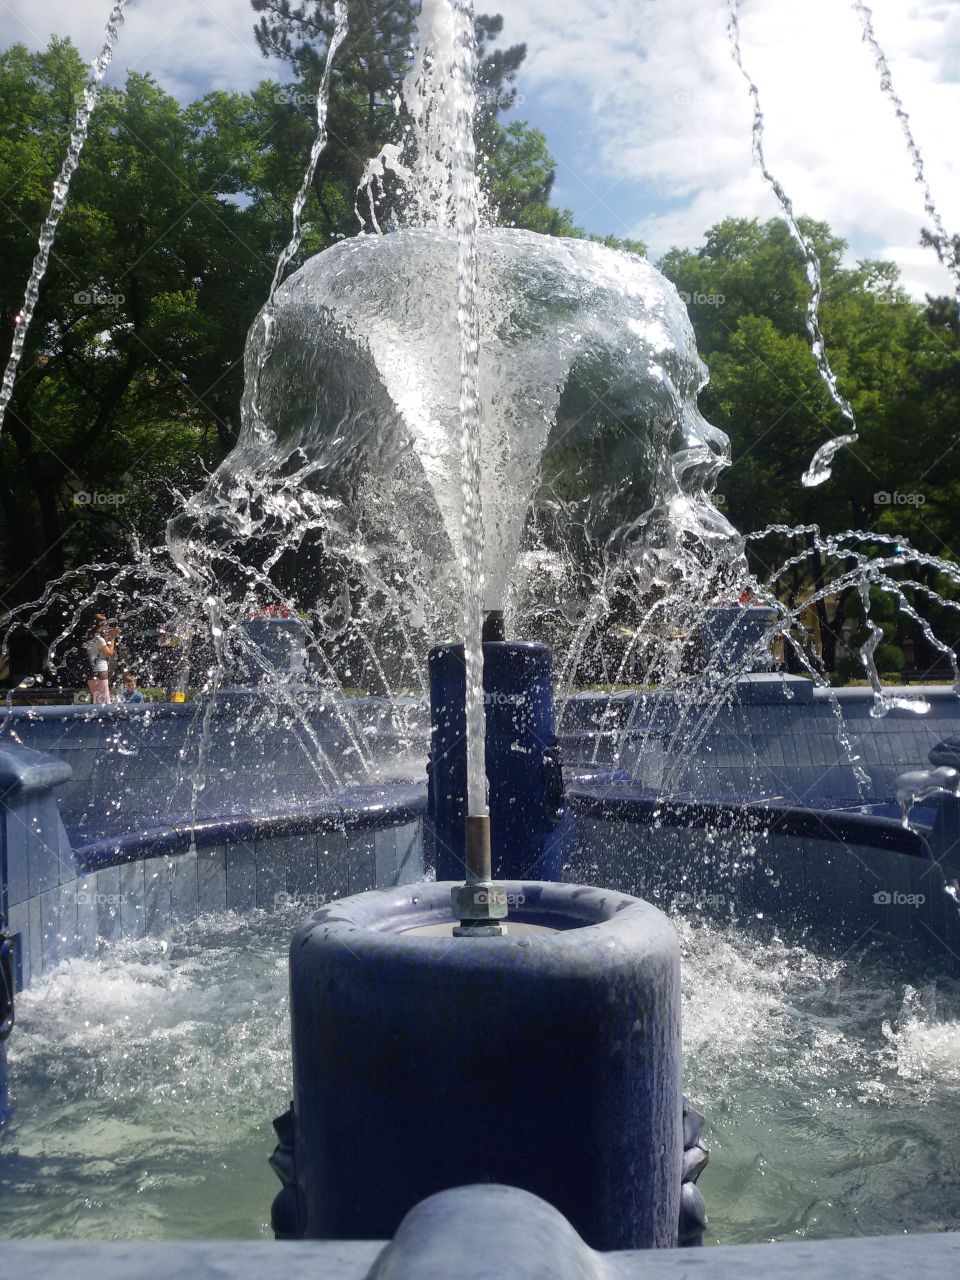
(544,1060)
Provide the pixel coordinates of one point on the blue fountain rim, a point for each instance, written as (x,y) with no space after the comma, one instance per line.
(633,804)
(357,808)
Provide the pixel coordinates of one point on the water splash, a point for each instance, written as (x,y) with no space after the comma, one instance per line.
(821,464)
(922,784)
(941,240)
(820,468)
(166,1056)
(637,639)
(267,317)
(61,190)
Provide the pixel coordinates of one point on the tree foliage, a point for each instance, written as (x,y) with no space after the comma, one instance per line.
(515,167)
(131,382)
(897,362)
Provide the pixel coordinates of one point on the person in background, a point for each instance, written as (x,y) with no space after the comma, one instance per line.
(130,692)
(100,647)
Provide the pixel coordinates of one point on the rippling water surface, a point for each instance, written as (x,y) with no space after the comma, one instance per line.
(145,1084)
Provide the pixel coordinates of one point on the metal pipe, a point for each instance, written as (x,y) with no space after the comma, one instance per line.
(478,858)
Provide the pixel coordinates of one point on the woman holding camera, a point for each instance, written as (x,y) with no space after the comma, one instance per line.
(100,648)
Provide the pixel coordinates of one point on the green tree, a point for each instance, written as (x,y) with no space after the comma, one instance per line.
(133,370)
(515,166)
(896,361)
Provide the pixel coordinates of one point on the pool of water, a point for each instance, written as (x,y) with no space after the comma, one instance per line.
(831,1089)
(145,1084)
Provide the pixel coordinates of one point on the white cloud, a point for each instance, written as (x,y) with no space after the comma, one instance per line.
(190,46)
(663,105)
(642,96)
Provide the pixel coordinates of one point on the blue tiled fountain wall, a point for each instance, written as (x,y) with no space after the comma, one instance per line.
(99,838)
(130,853)
(767,822)
(844,880)
(58,907)
(134,767)
(771,737)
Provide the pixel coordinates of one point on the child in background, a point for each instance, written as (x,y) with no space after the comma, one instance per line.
(130,692)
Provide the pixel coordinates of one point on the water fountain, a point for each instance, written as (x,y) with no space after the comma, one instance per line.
(409,399)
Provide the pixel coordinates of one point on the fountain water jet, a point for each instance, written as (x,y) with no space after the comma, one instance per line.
(820,468)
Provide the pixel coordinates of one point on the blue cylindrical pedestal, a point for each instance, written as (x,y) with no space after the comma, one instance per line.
(527,813)
(547,1060)
(735,639)
(280,646)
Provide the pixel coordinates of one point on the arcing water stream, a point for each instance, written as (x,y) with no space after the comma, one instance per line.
(820,468)
(61,190)
(941,240)
(292,248)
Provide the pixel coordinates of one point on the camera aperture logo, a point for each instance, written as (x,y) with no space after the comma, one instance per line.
(96,298)
(86,499)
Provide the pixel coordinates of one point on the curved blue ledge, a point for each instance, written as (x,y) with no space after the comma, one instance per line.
(635,805)
(359,808)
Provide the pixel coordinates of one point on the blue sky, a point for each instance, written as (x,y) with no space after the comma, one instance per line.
(644,110)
